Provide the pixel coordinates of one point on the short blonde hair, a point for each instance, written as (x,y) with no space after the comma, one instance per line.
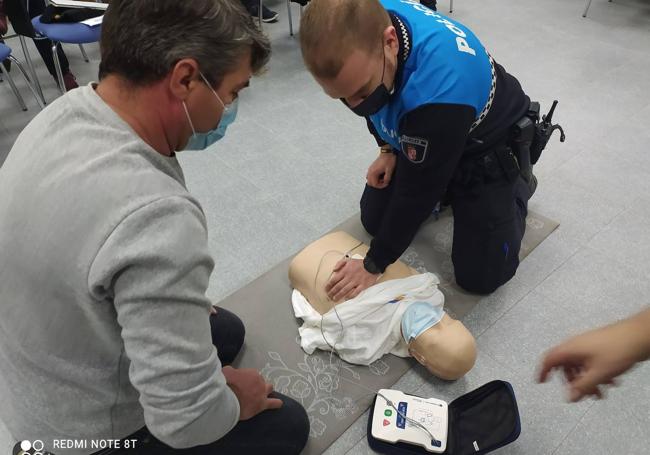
(331,29)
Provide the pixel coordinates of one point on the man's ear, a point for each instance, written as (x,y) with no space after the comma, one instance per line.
(390,39)
(184,77)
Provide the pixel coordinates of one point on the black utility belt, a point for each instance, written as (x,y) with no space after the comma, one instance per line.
(498,163)
(511,153)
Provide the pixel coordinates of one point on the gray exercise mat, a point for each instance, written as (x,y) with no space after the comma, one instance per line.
(325,386)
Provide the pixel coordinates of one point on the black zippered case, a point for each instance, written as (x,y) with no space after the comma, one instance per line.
(480,422)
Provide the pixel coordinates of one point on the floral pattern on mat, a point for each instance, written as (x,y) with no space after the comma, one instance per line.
(315,382)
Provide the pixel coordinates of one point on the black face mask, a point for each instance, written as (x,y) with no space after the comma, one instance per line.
(375,101)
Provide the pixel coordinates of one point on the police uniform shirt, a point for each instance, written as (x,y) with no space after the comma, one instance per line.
(446,86)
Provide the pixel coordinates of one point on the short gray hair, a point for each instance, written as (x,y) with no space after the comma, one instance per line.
(142,40)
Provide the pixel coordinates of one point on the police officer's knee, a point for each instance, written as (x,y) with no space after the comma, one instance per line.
(482,282)
(479,287)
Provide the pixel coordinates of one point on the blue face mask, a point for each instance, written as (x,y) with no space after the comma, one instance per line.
(418,317)
(201,141)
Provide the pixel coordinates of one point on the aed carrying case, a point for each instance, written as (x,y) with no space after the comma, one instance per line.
(479,422)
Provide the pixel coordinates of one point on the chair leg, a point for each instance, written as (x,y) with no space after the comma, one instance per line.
(290,19)
(29,83)
(260,12)
(586,8)
(32,71)
(83,53)
(13,87)
(451,6)
(57,65)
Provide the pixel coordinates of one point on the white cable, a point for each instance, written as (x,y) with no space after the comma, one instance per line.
(333,349)
(392,405)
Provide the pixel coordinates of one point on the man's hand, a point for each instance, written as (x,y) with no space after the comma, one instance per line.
(251,390)
(381,171)
(595,358)
(349,279)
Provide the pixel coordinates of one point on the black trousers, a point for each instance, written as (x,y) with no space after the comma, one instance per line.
(281,431)
(250,5)
(489,223)
(430,3)
(20,13)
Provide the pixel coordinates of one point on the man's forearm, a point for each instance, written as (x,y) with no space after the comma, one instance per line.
(401,221)
(639,329)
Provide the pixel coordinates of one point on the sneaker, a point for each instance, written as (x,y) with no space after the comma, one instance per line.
(69,81)
(267,14)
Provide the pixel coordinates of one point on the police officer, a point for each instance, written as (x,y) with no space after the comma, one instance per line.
(443,112)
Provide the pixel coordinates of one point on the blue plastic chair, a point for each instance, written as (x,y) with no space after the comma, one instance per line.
(68,33)
(5,53)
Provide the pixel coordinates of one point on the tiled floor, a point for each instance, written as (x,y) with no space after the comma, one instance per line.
(293,166)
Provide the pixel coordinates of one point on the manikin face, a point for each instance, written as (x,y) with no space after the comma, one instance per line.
(447,350)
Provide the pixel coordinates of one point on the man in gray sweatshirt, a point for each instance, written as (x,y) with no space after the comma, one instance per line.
(106,332)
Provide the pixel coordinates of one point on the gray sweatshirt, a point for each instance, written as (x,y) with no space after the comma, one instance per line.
(104,264)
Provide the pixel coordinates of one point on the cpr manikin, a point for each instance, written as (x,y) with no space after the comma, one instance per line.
(420,326)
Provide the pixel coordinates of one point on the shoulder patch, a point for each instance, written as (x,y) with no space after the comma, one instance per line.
(414,148)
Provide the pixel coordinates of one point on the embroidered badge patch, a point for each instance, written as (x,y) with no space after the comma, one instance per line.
(414,148)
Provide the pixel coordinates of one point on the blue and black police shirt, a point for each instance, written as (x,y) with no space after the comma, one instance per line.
(445,82)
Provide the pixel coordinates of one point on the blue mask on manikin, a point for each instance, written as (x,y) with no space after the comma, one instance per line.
(418,317)
(201,141)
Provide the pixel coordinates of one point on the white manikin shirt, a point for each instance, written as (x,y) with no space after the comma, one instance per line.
(371,321)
